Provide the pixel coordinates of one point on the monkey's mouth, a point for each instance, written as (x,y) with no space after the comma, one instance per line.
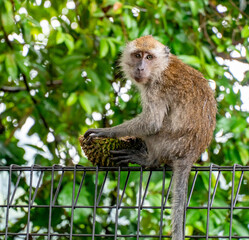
(140,77)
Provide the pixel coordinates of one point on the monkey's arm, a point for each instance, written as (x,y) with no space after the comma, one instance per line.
(149,122)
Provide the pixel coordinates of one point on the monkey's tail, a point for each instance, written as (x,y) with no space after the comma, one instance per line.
(181,170)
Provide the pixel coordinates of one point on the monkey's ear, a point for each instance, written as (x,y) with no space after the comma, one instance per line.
(167,50)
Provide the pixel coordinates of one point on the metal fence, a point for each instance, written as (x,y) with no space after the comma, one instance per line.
(78,202)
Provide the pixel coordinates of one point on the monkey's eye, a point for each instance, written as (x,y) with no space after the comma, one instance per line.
(137,55)
(149,57)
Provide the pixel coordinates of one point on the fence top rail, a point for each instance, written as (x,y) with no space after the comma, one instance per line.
(56,167)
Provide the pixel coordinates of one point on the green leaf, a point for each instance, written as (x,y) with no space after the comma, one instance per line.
(245,32)
(99,13)
(72,99)
(2,57)
(207,52)
(194,7)
(69,41)
(103,48)
(239,228)
(11,66)
(60,37)
(239,125)
(85,102)
(112,47)
(210,70)
(35,147)
(27,32)
(244,155)
(247,133)
(200,226)
(94,77)
(192,60)
(7,17)
(189,230)
(20,61)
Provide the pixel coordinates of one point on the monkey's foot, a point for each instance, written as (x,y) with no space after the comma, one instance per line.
(126,156)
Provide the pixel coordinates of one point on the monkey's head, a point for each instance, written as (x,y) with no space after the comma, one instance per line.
(144,59)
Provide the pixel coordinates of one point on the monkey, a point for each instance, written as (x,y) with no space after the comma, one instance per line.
(177,120)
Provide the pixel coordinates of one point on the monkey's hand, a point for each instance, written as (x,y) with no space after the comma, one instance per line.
(99,132)
(126,156)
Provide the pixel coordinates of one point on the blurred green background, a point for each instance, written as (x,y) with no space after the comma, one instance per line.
(59,75)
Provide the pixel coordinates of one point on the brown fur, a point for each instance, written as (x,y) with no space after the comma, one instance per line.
(177,121)
(193,107)
(146,43)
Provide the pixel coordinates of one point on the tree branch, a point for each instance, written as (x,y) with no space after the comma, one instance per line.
(9,89)
(34,101)
(235,6)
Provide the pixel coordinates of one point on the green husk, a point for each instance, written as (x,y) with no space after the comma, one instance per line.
(98,150)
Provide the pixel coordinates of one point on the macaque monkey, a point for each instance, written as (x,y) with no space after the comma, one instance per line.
(177,121)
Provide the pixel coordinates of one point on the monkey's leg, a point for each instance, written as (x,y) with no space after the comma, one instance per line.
(181,170)
(130,156)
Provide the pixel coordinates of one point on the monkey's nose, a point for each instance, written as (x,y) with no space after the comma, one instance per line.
(140,69)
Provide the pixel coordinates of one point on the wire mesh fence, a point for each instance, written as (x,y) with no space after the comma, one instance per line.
(78,202)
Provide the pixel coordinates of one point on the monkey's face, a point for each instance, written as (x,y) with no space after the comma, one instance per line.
(144,59)
(142,64)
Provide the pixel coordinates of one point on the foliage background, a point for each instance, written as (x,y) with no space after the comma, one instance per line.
(59,74)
